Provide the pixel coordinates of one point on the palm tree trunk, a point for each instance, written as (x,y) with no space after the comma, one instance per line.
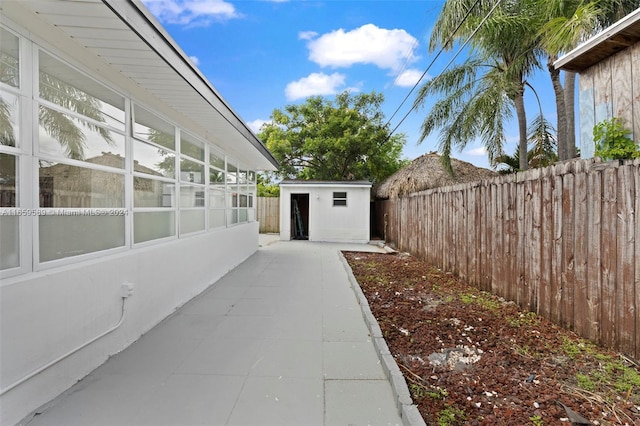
(560,109)
(522,128)
(569,101)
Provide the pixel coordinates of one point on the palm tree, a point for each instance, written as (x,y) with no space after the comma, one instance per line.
(542,148)
(508,55)
(562,24)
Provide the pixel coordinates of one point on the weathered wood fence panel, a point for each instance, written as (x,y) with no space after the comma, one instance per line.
(561,241)
(268,214)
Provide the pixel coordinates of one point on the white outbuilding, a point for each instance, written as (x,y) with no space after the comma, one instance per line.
(329,211)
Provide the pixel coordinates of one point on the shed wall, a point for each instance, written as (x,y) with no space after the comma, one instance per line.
(329,223)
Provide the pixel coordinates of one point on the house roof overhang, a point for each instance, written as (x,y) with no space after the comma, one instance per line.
(124,36)
(617,37)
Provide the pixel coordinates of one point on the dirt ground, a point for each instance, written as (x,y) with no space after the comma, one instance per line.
(471,358)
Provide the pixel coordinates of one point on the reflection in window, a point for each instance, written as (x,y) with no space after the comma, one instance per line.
(190,171)
(216,177)
(72,90)
(66,236)
(150,127)
(152,193)
(216,199)
(9,110)
(153,160)
(191,147)
(153,225)
(63,185)
(9,58)
(66,136)
(216,160)
(8,180)
(191,196)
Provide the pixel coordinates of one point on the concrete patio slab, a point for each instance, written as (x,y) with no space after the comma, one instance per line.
(280,340)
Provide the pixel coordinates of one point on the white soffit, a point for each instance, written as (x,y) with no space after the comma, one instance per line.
(126,36)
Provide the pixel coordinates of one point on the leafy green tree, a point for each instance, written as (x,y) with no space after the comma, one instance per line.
(344,139)
(266,185)
(542,148)
(613,141)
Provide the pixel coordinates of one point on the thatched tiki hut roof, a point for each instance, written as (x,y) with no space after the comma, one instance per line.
(426,172)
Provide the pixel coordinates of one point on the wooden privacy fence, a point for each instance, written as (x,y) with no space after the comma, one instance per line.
(560,241)
(268,211)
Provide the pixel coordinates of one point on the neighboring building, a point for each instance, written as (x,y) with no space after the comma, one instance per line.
(119,164)
(609,79)
(329,211)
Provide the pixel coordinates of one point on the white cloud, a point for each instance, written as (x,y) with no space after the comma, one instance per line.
(387,49)
(307,35)
(191,12)
(410,77)
(315,84)
(256,124)
(195,60)
(477,152)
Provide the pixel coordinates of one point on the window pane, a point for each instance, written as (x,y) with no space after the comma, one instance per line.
(152,225)
(62,185)
(232,168)
(339,195)
(191,221)
(152,160)
(251,176)
(252,215)
(190,171)
(151,128)
(8,180)
(9,119)
(64,86)
(70,137)
(233,216)
(9,58)
(153,193)
(9,242)
(66,236)
(242,215)
(216,176)
(216,199)
(339,202)
(216,218)
(243,200)
(191,196)
(216,160)
(191,147)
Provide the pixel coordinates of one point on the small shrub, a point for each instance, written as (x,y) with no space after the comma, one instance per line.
(612,142)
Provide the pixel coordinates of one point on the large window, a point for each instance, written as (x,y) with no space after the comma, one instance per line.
(81,161)
(90,170)
(11,150)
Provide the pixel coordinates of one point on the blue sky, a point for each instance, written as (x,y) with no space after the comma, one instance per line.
(262,55)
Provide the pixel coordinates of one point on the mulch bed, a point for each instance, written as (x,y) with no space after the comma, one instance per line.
(472,358)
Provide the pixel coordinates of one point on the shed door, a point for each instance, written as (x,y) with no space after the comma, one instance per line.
(299,216)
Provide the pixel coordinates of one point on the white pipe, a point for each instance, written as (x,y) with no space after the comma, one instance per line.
(71,352)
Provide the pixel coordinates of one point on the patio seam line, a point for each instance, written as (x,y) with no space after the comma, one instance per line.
(406,408)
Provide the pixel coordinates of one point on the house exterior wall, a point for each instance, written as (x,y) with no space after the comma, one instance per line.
(64,257)
(329,223)
(609,89)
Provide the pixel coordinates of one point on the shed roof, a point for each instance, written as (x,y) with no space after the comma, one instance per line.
(125,36)
(287,182)
(617,37)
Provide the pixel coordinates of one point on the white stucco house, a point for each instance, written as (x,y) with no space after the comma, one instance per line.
(328,211)
(127,187)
